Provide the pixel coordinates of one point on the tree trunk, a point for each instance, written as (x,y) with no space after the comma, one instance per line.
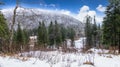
(12,28)
(119,43)
(119,47)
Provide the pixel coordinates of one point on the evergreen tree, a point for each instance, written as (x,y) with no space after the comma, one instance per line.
(111,24)
(40,40)
(4,31)
(88,32)
(44,34)
(99,35)
(94,33)
(58,37)
(20,38)
(19,41)
(25,37)
(63,33)
(51,34)
(72,35)
(3,27)
(63,36)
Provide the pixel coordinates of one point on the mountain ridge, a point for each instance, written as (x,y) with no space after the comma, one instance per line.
(30,18)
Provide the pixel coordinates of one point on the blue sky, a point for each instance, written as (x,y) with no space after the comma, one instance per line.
(77,7)
(71,5)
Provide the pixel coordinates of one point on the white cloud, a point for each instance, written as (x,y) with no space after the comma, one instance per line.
(47,5)
(99,19)
(66,12)
(84,8)
(52,5)
(101,8)
(82,13)
(92,13)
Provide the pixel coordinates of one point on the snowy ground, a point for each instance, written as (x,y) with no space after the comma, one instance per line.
(78,43)
(60,59)
(56,59)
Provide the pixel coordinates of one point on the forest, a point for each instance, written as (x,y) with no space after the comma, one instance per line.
(43,41)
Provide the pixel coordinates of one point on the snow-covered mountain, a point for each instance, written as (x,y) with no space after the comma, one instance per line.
(30,18)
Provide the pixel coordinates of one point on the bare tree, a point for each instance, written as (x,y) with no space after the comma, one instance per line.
(12,24)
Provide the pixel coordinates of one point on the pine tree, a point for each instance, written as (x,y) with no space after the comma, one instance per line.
(19,41)
(4,31)
(94,33)
(72,35)
(63,36)
(44,34)
(111,24)
(88,32)
(40,40)
(99,35)
(51,35)
(25,37)
(58,37)
(63,33)
(19,36)
(3,27)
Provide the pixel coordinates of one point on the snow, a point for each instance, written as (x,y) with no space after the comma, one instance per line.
(30,18)
(33,37)
(60,59)
(79,43)
(11,62)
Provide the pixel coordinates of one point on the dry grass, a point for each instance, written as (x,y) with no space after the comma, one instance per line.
(99,53)
(89,63)
(22,58)
(16,56)
(2,55)
(6,54)
(109,56)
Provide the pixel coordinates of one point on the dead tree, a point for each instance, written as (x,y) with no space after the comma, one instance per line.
(12,25)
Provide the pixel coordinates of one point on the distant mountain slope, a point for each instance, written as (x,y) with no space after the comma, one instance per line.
(30,18)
